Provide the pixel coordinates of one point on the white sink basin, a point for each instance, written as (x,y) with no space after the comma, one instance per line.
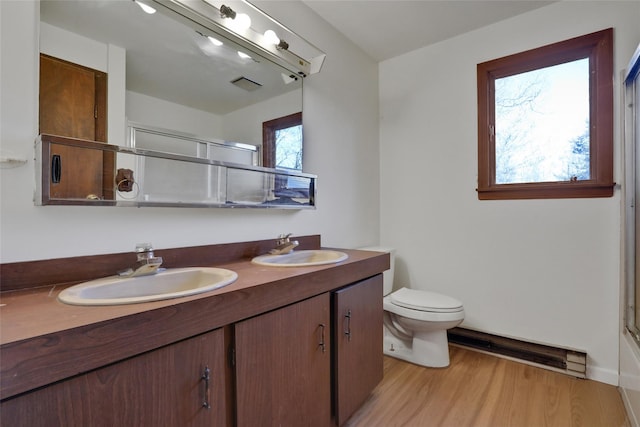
(172,283)
(301,258)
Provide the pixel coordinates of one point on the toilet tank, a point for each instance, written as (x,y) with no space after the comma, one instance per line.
(387,276)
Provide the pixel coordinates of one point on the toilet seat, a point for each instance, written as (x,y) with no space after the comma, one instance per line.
(425,301)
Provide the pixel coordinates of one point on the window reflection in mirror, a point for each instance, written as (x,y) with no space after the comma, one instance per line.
(282,149)
(289,148)
(282,142)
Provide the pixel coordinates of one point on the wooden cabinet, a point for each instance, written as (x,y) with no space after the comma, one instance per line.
(73,103)
(164,387)
(311,363)
(73,100)
(283,366)
(357,345)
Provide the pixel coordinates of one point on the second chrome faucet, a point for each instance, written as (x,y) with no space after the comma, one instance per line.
(284,245)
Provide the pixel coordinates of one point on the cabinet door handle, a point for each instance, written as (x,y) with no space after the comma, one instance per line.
(56,168)
(347,330)
(206,376)
(321,343)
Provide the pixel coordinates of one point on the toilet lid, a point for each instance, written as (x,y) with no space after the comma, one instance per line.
(425,301)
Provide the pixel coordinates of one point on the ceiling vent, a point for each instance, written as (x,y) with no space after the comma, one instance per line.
(246,84)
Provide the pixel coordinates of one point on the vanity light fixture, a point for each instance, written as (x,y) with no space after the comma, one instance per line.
(270,37)
(227,12)
(216,15)
(241,21)
(283,45)
(148,9)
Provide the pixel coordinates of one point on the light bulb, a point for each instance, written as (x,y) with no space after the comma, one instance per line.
(243,55)
(242,21)
(215,41)
(270,37)
(148,9)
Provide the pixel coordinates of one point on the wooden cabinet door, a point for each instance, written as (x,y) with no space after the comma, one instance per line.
(283,366)
(77,172)
(357,345)
(72,100)
(165,387)
(73,104)
(62,404)
(161,388)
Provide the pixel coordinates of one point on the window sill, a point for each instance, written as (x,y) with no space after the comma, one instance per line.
(550,190)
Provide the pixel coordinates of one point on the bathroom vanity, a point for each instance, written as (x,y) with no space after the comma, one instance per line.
(279,346)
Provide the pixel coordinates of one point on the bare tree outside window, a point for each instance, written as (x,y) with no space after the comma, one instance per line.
(289,148)
(542,125)
(282,142)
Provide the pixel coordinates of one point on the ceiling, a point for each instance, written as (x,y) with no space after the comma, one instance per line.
(388,28)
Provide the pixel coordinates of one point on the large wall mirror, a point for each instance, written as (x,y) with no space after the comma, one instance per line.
(174,81)
(167,71)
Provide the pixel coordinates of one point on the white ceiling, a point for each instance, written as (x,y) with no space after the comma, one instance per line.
(388,28)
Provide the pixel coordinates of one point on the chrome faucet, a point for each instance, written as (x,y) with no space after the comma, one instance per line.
(146,264)
(284,245)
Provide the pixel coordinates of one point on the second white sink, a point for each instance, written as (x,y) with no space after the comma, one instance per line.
(172,283)
(301,258)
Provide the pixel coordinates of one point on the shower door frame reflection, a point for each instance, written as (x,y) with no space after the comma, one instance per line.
(632,195)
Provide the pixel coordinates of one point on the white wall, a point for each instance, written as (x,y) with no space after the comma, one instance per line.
(341,143)
(230,127)
(541,270)
(156,112)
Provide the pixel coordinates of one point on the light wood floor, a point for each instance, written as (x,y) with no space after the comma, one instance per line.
(483,390)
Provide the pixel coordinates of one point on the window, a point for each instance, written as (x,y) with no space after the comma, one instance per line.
(545,121)
(282,143)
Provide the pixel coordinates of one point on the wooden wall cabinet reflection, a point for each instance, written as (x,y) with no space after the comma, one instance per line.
(73,103)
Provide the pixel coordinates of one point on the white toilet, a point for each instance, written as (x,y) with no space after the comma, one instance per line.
(416,322)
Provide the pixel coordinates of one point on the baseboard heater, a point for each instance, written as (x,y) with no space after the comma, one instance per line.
(572,362)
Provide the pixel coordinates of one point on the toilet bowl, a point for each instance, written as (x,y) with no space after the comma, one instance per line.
(416,321)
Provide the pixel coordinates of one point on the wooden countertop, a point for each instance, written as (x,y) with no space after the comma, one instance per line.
(43,340)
